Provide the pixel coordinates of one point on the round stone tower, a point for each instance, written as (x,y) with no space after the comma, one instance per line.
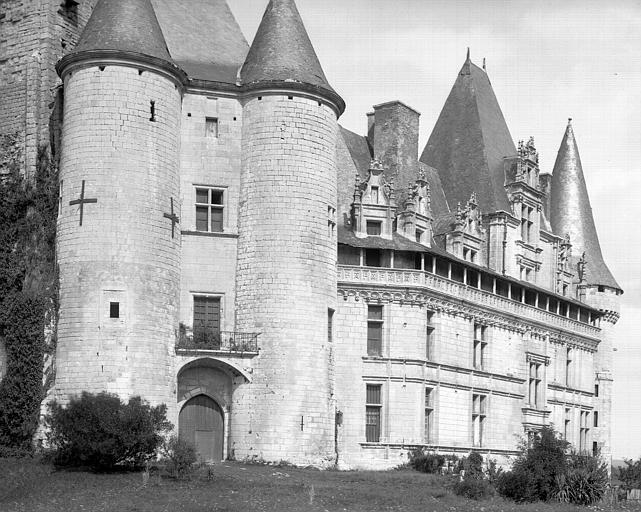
(286,270)
(118,241)
(571,213)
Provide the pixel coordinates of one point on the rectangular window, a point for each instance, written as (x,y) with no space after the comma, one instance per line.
(534,395)
(480,346)
(584,431)
(569,368)
(210,204)
(373,407)
(595,449)
(596,390)
(595,416)
(419,236)
(479,415)
(207,321)
(429,336)
(114,310)
(429,415)
(469,254)
(211,127)
(526,223)
(373,258)
(566,424)
(330,325)
(374,330)
(374,227)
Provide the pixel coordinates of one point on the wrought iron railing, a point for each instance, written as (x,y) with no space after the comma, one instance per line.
(223,341)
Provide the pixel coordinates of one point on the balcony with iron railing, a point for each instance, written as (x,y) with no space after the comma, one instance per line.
(208,339)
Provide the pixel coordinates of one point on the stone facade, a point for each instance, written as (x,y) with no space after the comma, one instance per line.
(311,285)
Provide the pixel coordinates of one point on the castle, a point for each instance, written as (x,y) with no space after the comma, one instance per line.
(290,289)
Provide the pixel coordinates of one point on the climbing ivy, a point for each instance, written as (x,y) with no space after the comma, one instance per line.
(28,291)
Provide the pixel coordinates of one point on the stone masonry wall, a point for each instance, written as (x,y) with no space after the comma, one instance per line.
(286,278)
(404,372)
(35,34)
(124,251)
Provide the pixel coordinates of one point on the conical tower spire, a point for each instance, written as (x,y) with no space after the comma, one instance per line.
(571,213)
(469,141)
(127,26)
(282,53)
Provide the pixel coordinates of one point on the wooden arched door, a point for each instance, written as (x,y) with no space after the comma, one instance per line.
(201,422)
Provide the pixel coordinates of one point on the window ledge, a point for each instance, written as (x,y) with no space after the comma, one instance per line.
(210,234)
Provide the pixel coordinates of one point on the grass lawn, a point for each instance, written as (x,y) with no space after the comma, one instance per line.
(29,486)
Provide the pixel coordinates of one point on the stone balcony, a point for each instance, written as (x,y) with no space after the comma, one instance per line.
(242,344)
(418,280)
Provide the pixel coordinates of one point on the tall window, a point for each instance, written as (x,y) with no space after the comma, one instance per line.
(374,330)
(211,127)
(478,418)
(567,424)
(584,431)
(373,408)
(480,346)
(595,417)
(373,227)
(429,415)
(209,209)
(534,396)
(526,223)
(569,368)
(375,195)
(429,336)
(207,321)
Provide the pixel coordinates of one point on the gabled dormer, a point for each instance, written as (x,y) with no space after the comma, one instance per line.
(415,221)
(374,207)
(465,240)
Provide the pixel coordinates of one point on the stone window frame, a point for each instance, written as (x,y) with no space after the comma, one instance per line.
(479,418)
(373,413)
(376,225)
(378,322)
(584,430)
(429,414)
(211,206)
(480,346)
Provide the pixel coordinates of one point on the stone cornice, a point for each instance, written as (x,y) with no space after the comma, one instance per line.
(501,315)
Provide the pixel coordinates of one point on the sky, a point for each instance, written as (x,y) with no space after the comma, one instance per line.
(547,61)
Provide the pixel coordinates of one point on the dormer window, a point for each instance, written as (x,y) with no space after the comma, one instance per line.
(469,254)
(374,227)
(419,236)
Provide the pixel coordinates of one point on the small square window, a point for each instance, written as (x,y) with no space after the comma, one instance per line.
(114,310)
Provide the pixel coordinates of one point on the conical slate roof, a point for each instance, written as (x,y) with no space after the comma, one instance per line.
(469,141)
(282,51)
(571,213)
(124,25)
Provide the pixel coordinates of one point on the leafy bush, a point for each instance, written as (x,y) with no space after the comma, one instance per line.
(180,455)
(533,475)
(426,462)
(493,472)
(473,488)
(474,465)
(584,482)
(101,431)
(630,475)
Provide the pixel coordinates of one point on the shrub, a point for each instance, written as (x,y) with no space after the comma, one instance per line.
(533,475)
(180,455)
(584,482)
(474,466)
(493,472)
(473,488)
(426,462)
(630,475)
(102,432)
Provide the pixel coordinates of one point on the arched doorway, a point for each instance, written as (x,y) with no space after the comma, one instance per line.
(201,422)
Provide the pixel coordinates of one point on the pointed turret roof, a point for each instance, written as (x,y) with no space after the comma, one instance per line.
(571,213)
(469,141)
(283,53)
(124,25)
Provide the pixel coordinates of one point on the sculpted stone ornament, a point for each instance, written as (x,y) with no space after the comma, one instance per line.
(582,268)
(565,251)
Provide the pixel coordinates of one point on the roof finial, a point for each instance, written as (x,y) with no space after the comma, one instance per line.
(569,120)
(483,63)
(468,54)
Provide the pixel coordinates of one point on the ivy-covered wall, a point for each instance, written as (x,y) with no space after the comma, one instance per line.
(28,294)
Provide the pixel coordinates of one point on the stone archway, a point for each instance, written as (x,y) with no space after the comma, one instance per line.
(201,422)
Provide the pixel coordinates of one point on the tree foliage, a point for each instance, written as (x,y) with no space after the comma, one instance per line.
(28,211)
(102,432)
(630,475)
